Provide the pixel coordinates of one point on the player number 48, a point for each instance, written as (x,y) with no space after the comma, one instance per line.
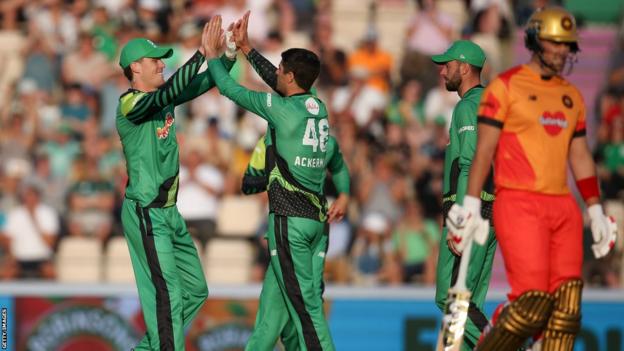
(316,139)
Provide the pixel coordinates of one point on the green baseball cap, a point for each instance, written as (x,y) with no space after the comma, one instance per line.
(139,48)
(463,51)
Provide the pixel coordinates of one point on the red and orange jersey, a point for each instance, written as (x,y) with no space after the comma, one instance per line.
(538,118)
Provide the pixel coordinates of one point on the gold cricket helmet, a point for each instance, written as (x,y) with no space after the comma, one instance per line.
(552,23)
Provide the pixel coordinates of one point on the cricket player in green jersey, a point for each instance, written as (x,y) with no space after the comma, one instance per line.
(169,276)
(255,180)
(461,69)
(297,160)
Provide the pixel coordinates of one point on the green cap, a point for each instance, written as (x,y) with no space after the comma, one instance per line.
(463,51)
(139,48)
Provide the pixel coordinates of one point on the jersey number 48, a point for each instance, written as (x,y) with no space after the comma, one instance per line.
(315,138)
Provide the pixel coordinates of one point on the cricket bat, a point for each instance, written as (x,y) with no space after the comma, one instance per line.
(456,308)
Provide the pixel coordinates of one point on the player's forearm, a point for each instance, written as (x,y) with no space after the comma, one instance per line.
(342,181)
(263,67)
(179,81)
(462,185)
(487,142)
(168,92)
(584,170)
(243,97)
(202,82)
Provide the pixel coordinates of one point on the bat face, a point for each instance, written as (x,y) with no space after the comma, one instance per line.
(454,320)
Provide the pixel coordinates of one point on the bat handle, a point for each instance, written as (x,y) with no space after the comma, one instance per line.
(460,284)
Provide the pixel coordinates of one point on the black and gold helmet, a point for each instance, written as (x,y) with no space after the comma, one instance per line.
(551,23)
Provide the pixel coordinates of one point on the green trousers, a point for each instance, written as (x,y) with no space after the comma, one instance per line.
(291,303)
(171,283)
(477,281)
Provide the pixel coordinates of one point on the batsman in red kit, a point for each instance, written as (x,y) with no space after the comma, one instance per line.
(531,125)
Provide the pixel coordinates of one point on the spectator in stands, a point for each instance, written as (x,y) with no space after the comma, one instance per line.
(408,108)
(214,148)
(201,185)
(12,43)
(61,150)
(85,65)
(75,110)
(337,266)
(414,243)
(57,26)
(371,254)
(90,202)
(32,229)
(334,72)
(41,64)
(429,32)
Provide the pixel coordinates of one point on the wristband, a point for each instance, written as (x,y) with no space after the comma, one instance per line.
(588,187)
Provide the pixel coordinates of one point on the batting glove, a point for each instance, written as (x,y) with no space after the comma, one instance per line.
(604,230)
(465,223)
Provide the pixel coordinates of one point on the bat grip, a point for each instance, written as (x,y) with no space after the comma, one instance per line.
(460,284)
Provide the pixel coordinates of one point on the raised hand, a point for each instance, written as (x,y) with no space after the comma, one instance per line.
(240,35)
(212,39)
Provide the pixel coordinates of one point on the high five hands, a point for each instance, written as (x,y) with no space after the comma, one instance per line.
(214,38)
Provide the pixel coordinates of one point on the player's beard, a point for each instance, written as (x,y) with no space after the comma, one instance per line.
(452,83)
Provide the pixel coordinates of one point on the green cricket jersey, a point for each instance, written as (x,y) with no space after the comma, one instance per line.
(298,137)
(146,126)
(460,152)
(255,179)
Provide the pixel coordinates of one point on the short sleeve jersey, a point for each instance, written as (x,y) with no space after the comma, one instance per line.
(538,118)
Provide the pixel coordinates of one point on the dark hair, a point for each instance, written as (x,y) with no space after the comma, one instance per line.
(304,64)
(128,73)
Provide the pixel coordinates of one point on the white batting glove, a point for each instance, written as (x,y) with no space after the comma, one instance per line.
(465,223)
(604,230)
(230,45)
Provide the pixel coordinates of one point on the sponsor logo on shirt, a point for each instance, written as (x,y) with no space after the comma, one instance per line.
(269,101)
(312,106)
(553,122)
(466,129)
(163,132)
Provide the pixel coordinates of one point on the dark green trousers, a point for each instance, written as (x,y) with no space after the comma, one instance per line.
(170,280)
(291,303)
(477,281)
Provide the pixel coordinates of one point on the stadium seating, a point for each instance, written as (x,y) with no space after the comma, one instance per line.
(117,263)
(239,216)
(228,261)
(79,260)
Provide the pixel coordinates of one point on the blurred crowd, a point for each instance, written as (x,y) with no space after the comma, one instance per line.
(63,173)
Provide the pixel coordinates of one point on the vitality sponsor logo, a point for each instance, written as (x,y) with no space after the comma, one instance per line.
(163,132)
(553,122)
